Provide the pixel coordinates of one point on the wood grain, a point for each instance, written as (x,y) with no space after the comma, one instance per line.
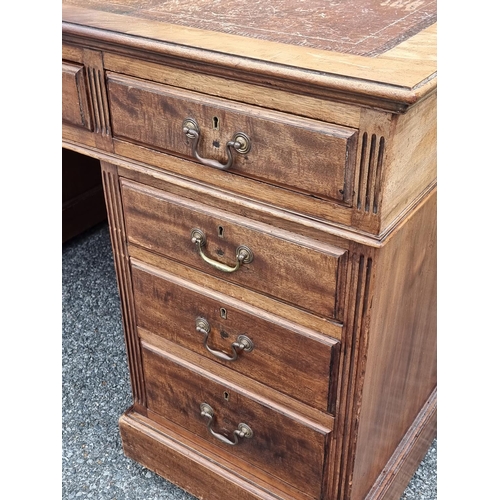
(84,93)
(287,448)
(283,265)
(331,26)
(174,456)
(259,94)
(114,208)
(411,158)
(370,177)
(299,154)
(336,199)
(266,395)
(353,356)
(393,82)
(410,452)
(75,104)
(294,202)
(319,324)
(232,201)
(400,375)
(288,358)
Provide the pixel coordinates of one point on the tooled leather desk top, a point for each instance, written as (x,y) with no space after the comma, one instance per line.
(361,27)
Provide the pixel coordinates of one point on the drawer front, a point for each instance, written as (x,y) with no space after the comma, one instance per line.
(295,269)
(297,153)
(283,444)
(286,357)
(75,104)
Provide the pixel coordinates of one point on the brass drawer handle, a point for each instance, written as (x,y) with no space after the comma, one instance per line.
(240,143)
(243,343)
(243,430)
(243,254)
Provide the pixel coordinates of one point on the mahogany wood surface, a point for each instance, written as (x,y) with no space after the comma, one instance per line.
(110,182)
(336,200)
(174,456)
(258,95)
(320,324)
(290,449)
(285,356)
(296,153)
(266,395)
(163,223)
(375,26)
(371,185)
(391,76)
(411,159)
(412,448)
(401,361)
(76,110)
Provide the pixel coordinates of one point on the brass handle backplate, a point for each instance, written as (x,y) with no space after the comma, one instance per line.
(241,144)
(243,430)
(243,343)
(243,254)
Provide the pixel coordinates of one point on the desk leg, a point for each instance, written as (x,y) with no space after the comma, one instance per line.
(111,185)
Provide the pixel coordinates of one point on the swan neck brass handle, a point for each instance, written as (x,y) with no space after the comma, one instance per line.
(243,430)
(243,343)
(243,254)
(241,144)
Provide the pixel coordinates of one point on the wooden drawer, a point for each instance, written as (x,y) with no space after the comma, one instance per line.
(297,153)
(287,357)
(295,269)
(283,444)
(75,103)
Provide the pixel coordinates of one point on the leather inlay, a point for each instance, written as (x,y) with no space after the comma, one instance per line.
(361,27)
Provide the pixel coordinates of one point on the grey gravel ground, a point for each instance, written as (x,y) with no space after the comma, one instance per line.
(96,388)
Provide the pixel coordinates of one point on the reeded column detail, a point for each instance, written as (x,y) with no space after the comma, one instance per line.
(353,358)
(111,186)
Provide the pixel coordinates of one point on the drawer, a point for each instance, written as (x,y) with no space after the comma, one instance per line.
(75,103)
(289,267)
(273,351)
(282,443)
(297,153)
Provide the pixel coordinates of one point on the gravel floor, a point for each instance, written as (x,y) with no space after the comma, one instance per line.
(96,387)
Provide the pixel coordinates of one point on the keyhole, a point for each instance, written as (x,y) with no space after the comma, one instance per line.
(223,313)
(226,395)
(215,121)
(221,232)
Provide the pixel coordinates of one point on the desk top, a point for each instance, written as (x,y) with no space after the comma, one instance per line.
(362,27)
(387,46)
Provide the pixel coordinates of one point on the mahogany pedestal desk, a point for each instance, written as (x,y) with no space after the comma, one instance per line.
(269,172)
